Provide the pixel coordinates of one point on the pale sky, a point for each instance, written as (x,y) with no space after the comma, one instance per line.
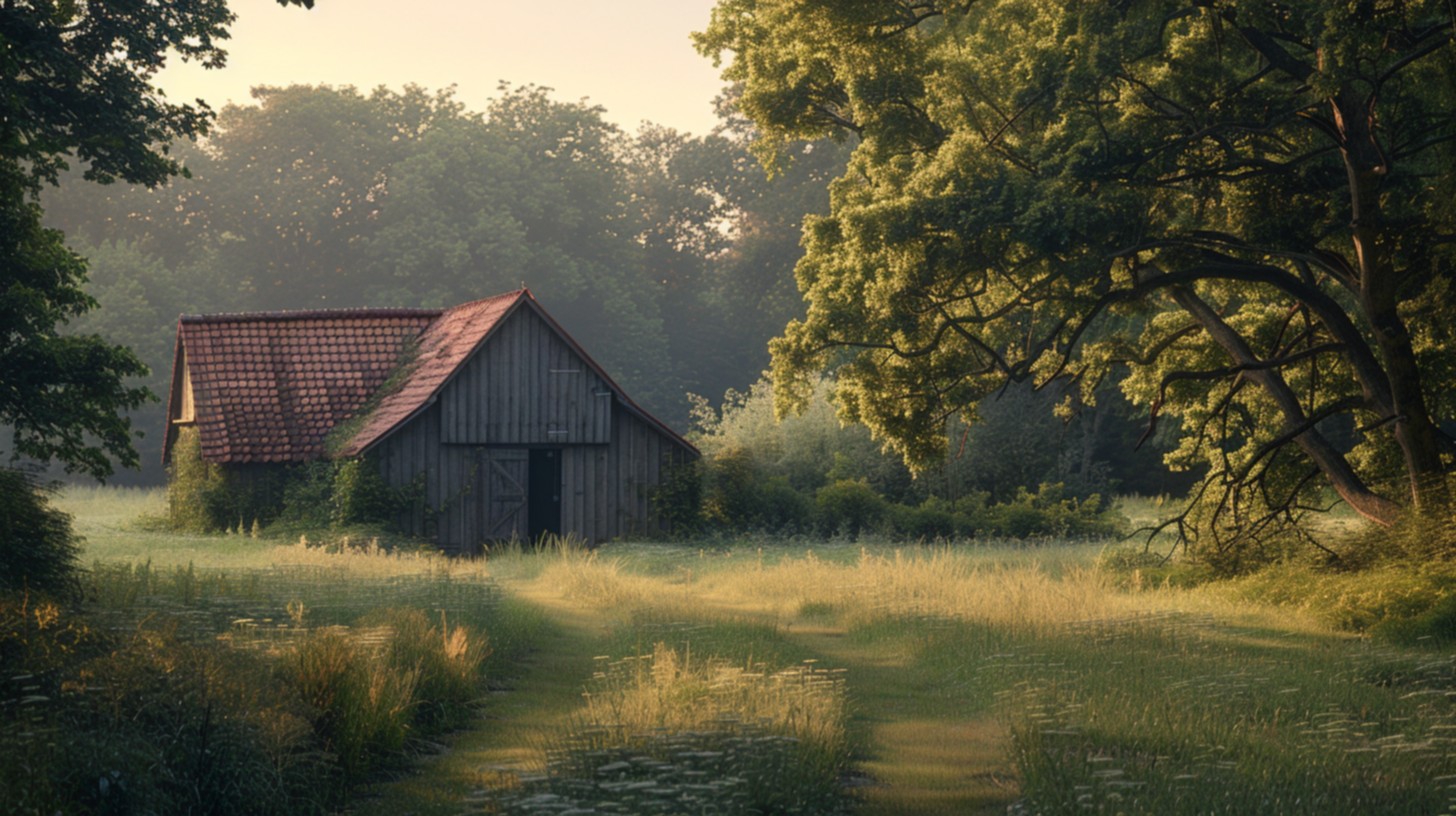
(632,57)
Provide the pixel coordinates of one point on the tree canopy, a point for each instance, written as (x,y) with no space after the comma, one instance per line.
(1241,211)
(76,81)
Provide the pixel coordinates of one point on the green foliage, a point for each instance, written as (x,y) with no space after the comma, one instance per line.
(38,550)
(848,507)
(246,692)
(207,497)
(807,450)
(1134,193)
(80,88)
(678,500)
(360,496)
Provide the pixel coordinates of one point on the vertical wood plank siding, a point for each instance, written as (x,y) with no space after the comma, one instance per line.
(525,383)
(526,387)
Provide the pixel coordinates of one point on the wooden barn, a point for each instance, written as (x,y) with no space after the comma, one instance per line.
(507,425)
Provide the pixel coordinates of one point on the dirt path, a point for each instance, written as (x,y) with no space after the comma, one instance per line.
(920,759)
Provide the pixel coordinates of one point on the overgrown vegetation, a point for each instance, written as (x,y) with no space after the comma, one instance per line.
(207,497)
(810,475)
(38,549)
(262,689)
(672,731)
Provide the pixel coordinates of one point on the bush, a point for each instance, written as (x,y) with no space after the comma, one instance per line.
(783,509)
(849,507)
(679,499)
(196,492)
(731,490)
(933,520)
(38,550)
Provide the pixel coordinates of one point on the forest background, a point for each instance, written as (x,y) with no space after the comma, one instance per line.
(670,257)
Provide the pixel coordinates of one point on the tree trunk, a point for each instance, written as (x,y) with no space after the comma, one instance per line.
(1415,432)
(1333,464)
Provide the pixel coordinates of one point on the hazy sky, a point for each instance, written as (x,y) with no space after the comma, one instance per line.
(633,57)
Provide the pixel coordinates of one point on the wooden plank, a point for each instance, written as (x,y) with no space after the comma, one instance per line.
(601,512)
(532,396)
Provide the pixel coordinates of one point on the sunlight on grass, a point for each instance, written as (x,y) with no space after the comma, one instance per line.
(986,677)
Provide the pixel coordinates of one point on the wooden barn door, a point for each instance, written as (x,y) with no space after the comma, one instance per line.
(505,508)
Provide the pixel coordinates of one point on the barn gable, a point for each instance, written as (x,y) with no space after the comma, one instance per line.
(504,373)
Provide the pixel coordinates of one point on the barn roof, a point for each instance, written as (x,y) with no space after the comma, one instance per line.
(445,346)
(271,386)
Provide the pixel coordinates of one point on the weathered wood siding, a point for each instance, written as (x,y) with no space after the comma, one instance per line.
(526,386)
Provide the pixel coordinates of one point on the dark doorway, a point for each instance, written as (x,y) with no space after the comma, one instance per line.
(544,504)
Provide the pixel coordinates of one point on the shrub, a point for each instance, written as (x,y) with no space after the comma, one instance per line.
(38,550)
(849,507)
(731,487)
(781,508)
(196,490)
(932,520)
(679,499)
(360,495)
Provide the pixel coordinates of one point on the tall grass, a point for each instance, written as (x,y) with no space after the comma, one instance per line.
(263,679)
(1117,696)
(669,733)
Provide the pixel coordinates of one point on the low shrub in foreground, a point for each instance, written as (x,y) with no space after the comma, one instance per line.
(203,693)
(38,550)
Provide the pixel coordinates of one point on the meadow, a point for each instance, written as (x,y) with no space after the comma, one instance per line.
(762,675)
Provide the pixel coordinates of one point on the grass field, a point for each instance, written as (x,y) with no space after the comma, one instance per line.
(979,678)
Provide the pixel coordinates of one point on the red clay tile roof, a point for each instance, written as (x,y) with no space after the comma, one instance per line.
(442,348)
(269,386)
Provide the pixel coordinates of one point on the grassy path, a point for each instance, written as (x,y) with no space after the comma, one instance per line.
(918,757)
(508,739)
(921,758)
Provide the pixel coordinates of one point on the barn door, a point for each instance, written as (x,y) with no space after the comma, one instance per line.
(545,500)
(504,508)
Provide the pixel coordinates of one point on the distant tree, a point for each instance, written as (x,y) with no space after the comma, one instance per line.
(76,81)
(1247,206)
(291,188)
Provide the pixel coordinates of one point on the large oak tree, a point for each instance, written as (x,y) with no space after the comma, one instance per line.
(75,85)
(1244,210)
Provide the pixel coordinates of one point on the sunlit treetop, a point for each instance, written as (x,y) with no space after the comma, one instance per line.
(1241,211)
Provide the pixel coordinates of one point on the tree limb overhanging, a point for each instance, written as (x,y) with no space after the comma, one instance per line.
(1143,191)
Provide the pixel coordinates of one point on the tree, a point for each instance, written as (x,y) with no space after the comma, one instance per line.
(1246,206)
(76,80)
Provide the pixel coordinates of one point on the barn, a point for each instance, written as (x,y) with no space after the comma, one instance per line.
(501,424)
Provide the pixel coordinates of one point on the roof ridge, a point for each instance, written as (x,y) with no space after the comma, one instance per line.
(307,314)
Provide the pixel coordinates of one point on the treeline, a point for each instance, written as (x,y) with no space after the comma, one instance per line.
(669,256)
